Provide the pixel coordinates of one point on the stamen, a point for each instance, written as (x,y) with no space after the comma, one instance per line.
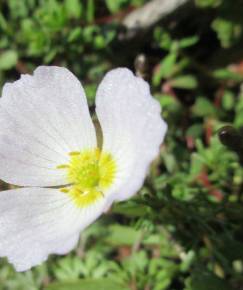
(63,166)
(90,172)
(74,153)
(65,190)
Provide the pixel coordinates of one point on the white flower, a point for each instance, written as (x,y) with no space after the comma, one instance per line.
(47,139)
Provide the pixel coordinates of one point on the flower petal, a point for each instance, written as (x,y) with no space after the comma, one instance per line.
(43,117)
(132,128)
(36,222)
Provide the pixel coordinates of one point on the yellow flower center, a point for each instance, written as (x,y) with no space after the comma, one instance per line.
(90,173)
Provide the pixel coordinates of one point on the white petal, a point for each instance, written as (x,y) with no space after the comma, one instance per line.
(36,222)
(43,117)
(132,128)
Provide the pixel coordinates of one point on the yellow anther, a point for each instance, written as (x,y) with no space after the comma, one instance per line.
(63,166)
(65,190)
(74,153)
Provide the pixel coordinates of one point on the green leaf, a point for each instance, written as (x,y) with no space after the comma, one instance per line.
(195,131)
(8,59)
(68,268)
(169,103)
(187,261)
(203,108)
(3,22)
(74,34)
(73,8)
(167,65)
(163,38)
(122,235)
(169,161)
(87,284)
(208,3)
(90,11)
(99,42)
(115,6)
(188,82)
(196,165)
(238,122)
(226,74)
(89,32)
(50,55)
(228,100)
(188,41)
(131,210)
(228,32)
(166,68)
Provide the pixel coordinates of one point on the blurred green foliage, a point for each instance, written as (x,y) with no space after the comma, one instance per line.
(184,231)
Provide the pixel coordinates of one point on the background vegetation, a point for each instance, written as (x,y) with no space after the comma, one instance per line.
(184,231)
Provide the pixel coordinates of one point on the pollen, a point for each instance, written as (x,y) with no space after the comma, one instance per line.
(90,173)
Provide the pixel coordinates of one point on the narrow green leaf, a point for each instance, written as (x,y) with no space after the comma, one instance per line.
(130,210)
(225,74)
(122,235)
(3,22)
(208,3)
(203,108)
(87,284)
(188,82)
(115,6)
(188,41)
(228,100)
(166,68)
(73,8)
(8,59)
(90,14)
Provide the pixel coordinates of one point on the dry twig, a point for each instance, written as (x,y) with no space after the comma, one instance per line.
(144,18)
